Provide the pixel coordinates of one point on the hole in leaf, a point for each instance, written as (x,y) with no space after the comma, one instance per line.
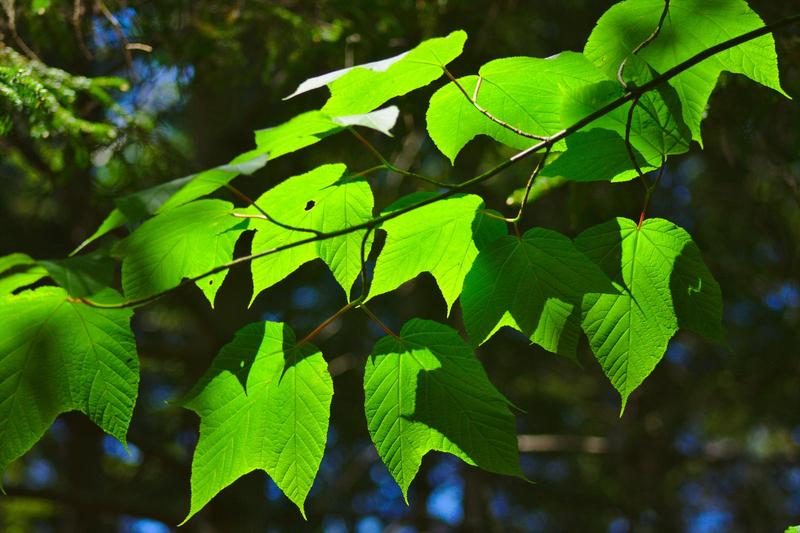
(310,205)
(211,282)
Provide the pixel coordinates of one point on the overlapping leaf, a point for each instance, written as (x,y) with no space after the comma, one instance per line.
(442,238)
(657,129)
(362,88)
(690,27)
(18,270)
(297,133)
(324,200)
(264,405)
(524,92)
(663,285)
(180,243)
(534,284)
(58,356)
(425,390)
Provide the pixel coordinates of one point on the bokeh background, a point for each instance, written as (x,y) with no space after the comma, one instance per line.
(711,441)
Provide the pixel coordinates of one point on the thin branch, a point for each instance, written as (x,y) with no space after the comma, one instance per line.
(120,34)
(264,215)
(377,320)
(642,45)
(628,145)
(388,165)
(474,101)
(77,15)
(650,189)
(548,143)
(11,14)
(316,331)
(537,169)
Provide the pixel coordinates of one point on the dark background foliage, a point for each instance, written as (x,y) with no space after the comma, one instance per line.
(710,442)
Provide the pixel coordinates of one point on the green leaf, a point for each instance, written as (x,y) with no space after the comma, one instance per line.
(690,27)
(264,405)
(40,6)
(425,390)
(311,127)
(180,243)
(82,275)
(663,285)
(58,356)
(442,238)
(362,88)
(524,92)
(657,129)
(595,155)
(7,262)
(18,270)
(18,278)
(324,200)
(299,132)
(535,285)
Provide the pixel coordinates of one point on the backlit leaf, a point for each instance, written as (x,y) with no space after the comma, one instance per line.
(58,356)
(426,391)
(264,405)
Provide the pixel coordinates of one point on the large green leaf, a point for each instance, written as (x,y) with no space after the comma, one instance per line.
(534,284)
(441,238)
(299,132)
(57,356)
(325,200)
(362,88)
(663,285)
(690,27)
(524,92)
(264,405)
(425,390)
(180,243)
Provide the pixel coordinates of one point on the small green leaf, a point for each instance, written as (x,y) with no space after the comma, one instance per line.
(426,391)
(58,356)
(441,238)
(534,284)
(524,92)
(324,200)
(180,243)
(690,27)
(264,405)
(362,88)
(663,285)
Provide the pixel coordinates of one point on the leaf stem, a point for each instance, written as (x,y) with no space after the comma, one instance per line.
(642,45)
(388,165)
(377,320)
(316,331)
